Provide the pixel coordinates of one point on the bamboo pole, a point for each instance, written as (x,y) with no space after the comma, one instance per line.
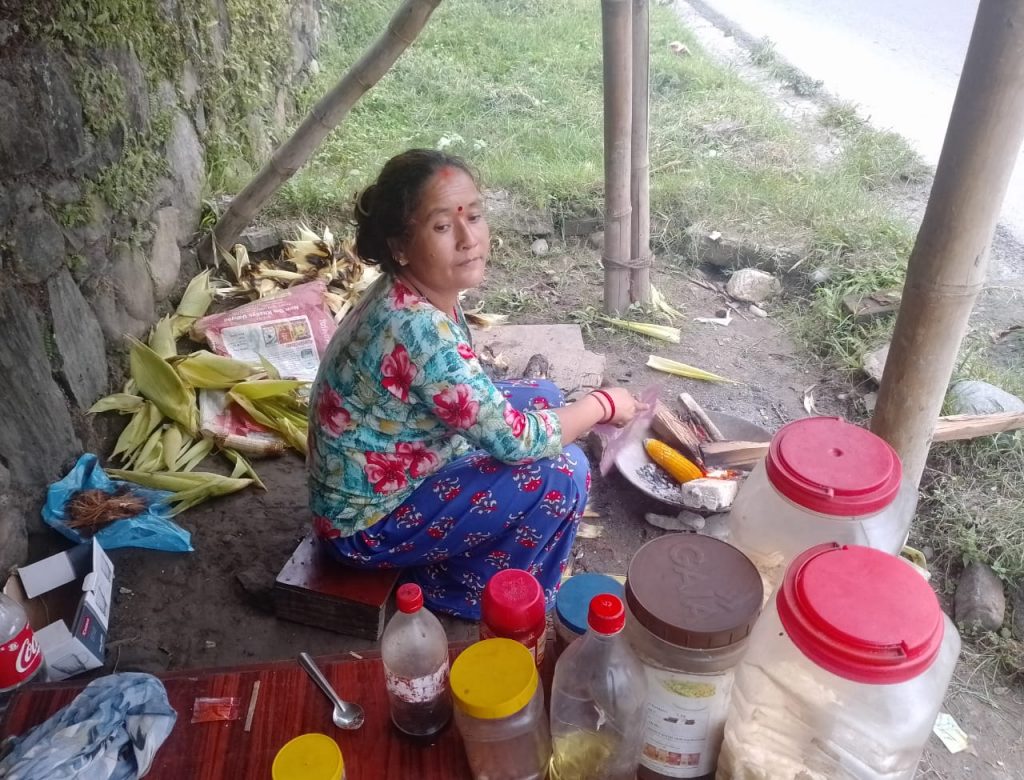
(616,28)
(640,163)
(948,263)
(328,113)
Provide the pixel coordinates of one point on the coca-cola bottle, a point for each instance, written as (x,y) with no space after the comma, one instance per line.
(414,650)
(21,660)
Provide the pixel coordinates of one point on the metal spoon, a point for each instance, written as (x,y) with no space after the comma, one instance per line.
(346,715)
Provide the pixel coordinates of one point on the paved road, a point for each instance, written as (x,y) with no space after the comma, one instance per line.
(899,60)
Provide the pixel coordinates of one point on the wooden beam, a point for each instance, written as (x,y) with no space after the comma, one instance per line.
(950,257)
(617,35)
(640,164)
(956,427)
(409,19)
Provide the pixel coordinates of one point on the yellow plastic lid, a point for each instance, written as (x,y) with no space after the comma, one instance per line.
(494,678)
(309,757)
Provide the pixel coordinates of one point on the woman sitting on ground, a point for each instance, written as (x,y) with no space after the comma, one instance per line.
(416,459)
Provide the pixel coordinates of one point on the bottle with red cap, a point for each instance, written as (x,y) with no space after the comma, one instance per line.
(414,651)
(598,701)
(513,607)
(845,672)
(823,480)
(21,660)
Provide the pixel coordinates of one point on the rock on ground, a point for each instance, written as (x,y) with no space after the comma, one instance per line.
(684,521)
(753,286)
(874,362)
(1017,622)
(257,239)
(971,396)
(539,247)
(979,603)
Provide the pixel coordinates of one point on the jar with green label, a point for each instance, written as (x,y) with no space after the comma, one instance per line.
(691,603)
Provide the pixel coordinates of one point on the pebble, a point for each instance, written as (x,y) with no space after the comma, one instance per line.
(757,311)
(539,247)
(979,603)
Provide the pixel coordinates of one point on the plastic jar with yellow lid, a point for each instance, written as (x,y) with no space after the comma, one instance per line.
(309,757)
(499,711)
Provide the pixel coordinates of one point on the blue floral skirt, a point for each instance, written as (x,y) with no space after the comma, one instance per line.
(477,515)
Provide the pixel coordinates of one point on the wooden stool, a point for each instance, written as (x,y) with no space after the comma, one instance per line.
(314,589)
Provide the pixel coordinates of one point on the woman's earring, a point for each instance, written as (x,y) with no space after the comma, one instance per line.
(402,261)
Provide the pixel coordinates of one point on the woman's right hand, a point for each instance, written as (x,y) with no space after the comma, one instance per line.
(626,405)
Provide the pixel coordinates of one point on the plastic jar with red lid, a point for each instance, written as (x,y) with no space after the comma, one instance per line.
(513,607)
(823,480)
(844,674)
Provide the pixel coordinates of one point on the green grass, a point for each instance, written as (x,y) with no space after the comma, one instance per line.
(516,87)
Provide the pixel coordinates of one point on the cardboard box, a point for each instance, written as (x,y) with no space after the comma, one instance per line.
(67,597)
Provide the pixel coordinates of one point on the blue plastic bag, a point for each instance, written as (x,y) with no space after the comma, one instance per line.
(152,529)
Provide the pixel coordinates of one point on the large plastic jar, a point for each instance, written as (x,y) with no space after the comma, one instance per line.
(823,480)
(499,711)
(845,673)
(572,605)
(691,602)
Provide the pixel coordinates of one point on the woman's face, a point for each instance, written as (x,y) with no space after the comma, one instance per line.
(448,239)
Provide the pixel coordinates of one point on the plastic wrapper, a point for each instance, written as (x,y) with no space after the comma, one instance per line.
(617,438)
(151,529)
(207,709)
(231,426)
(291,330)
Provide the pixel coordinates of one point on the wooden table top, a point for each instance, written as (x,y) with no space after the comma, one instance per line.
(289,704)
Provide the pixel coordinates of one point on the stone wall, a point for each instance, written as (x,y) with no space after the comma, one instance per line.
(117,120)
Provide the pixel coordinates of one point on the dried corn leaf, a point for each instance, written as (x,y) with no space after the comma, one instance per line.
(160,383)
(123,403)
(682,369)
(663,332)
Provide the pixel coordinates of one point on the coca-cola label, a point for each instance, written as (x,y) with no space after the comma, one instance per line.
(19,658)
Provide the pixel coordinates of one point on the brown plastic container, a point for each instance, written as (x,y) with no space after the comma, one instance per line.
(691,601)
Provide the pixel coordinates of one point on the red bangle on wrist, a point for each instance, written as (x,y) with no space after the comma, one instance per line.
(611,405)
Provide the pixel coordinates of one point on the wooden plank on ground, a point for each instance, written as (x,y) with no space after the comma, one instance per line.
(575,370)
(957,427)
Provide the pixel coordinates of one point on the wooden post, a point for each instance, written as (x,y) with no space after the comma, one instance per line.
(617,35)
(409,19)
(947,266)
(640,173)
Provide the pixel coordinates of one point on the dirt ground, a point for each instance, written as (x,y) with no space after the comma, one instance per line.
(211,607)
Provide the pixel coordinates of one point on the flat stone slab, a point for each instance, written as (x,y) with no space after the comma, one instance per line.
(575,370)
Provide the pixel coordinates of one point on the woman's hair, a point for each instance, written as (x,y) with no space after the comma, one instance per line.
(382,211)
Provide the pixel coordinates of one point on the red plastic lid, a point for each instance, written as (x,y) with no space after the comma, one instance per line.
(409,597)
(606,615)
(513,602)
(861,614)
(830,466)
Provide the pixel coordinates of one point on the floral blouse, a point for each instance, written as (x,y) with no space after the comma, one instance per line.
(399,395)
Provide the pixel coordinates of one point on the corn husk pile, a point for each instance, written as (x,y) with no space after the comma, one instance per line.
(162,444)
(308,258)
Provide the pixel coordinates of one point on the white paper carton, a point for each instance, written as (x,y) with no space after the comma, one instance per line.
(67,597)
